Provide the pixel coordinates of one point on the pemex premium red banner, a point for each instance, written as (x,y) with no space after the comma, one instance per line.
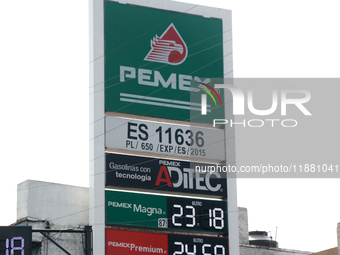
(125,242)
(131,242)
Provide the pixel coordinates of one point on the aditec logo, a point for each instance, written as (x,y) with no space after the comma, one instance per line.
(169,48)
(172,174)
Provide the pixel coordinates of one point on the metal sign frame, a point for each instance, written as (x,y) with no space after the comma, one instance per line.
(97,112)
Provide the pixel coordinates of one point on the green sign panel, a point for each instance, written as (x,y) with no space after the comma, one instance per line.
(153,211)
(158,63)
(134,209)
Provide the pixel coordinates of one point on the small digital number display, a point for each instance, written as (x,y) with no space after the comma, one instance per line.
(196,245)
(16,240)
(197,214)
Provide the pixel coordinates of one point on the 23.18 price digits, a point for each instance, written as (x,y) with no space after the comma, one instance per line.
(200,215)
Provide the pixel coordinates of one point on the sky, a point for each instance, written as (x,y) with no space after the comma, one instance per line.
(45,108)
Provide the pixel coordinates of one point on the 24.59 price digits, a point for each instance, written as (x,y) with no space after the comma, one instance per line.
(200,215)
(195,245)
(191,249)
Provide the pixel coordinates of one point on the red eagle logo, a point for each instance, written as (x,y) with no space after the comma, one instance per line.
(169,48)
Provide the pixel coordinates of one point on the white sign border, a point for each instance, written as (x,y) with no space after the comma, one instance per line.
(97,112)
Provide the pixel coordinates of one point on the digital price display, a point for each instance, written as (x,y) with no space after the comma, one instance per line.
(15,240)
(125,242)
(197,245)
(197,214)
(155,211)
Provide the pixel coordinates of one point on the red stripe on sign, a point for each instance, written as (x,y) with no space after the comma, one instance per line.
(125,242)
